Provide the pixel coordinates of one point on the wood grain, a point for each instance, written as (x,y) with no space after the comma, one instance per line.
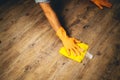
(29,46)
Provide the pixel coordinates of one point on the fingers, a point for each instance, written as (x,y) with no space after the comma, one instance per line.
(73,52)
(79,49)
(72,47)
(77,41)
(75,48)
(68,51)
(76,52)
(107,4)
(99,5)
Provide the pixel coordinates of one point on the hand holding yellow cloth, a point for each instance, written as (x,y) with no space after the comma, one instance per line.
(78,58)
(70,44)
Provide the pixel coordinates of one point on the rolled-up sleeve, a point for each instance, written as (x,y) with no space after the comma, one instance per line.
(39,1)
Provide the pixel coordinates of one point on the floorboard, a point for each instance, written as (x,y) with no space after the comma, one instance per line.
(29,47)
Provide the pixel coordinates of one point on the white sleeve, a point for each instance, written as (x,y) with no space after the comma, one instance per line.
(38,1)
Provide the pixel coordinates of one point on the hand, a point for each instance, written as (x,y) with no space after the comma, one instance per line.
(101,3)
(69,43)
(71,46)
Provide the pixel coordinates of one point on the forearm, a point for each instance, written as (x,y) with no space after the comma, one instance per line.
(69,43)
(51,16)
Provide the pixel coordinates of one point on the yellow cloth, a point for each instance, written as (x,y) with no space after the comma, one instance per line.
(78,58)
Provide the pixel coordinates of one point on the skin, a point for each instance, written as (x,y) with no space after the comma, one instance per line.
(51,16)
(69,43)
(101,3)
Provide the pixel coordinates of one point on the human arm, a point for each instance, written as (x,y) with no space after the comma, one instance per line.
(69,43)
(51,16)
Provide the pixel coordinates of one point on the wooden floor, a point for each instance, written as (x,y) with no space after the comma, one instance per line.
(29,47)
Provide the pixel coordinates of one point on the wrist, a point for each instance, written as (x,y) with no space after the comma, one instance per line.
(61,33)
